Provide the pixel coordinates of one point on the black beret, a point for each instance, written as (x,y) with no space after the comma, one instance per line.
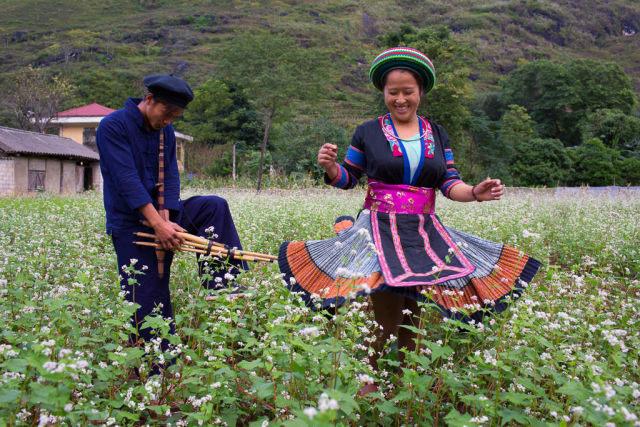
(169,88)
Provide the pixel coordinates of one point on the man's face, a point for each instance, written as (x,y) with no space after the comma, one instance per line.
(160,114)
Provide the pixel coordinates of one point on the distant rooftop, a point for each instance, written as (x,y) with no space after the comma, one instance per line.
(17,141)
(90,110)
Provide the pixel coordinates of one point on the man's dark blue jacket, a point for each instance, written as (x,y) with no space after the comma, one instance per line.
(129,164)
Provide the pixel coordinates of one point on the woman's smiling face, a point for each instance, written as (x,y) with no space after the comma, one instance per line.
(402,95)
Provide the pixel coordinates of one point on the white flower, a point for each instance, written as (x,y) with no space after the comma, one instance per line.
(364,379)
(310,412)
(325,403)
(628,416)
(526,233)
(133,261)
(310,332)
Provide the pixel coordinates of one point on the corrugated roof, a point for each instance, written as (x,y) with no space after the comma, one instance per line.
(16,141)
(94,109)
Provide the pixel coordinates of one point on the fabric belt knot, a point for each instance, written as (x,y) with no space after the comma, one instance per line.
(402,199)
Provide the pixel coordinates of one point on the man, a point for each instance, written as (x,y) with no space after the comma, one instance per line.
(128,142)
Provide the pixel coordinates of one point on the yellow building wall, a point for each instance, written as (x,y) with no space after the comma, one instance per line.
(73,131)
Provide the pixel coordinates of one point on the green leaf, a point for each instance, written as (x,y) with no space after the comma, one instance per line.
(516,398)
(15,365)
(455,418)
(8,395)
(509,415)
(575,390)
(250,365)
(438,351)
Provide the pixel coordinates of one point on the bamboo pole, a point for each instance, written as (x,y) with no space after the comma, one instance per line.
(202,243)
(197,245)
(220,253)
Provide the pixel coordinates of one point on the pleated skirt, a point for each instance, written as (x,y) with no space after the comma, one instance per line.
(463,276)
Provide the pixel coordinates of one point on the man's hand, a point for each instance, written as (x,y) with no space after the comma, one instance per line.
(167,235)
(165,230)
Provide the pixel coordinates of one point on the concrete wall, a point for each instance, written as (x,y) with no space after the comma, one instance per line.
(21,177)
(52,177)
(97,177)
(7,176)
(68,177)
(61,176)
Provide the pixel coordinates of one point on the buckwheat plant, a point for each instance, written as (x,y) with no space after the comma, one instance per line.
(566,353)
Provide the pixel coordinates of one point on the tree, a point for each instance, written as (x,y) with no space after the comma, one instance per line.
(275,72)
(540,161)
(298,149)
(613,127)
(500,142)
(546,91)
(594,164)
(560,96)
(628,171)
(37,97)
(220,114)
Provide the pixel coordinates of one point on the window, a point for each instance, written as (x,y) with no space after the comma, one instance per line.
(89,138)
(36,180)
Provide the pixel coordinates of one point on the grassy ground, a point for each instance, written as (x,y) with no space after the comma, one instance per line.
(566,353)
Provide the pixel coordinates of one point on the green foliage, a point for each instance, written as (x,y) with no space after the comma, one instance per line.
(297,152)
(219,114)
(614,128)
(628,171)
(273,70)
(540,162)
(594,163)
(222,166)
(276,72)
(106,87)
(560,96)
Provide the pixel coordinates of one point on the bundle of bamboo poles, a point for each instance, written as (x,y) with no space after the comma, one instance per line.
(206,247)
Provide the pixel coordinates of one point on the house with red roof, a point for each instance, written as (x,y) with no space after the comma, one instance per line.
(80,124)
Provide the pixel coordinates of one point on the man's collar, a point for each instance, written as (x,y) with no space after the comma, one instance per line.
(132,110)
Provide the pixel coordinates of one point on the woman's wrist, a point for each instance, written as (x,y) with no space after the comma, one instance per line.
(473,193)
(332,171)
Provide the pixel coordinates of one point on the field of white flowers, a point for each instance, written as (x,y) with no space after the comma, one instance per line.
(566,353)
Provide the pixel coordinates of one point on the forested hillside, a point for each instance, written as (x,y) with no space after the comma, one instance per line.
(102,48)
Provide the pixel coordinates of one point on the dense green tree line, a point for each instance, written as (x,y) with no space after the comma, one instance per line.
(560,124)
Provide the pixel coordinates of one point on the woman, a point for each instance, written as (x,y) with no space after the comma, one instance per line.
(397,249)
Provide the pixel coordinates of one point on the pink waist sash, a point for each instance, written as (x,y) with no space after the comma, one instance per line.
(402,199)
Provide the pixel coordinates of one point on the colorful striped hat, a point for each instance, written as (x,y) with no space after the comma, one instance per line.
(403,57)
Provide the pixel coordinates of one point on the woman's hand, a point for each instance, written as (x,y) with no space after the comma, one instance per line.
(489,189)
(327,159)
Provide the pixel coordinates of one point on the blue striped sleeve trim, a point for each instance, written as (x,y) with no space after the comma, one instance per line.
(342,179)
(355,157)
(448,185)
(451,173)
(448,155)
